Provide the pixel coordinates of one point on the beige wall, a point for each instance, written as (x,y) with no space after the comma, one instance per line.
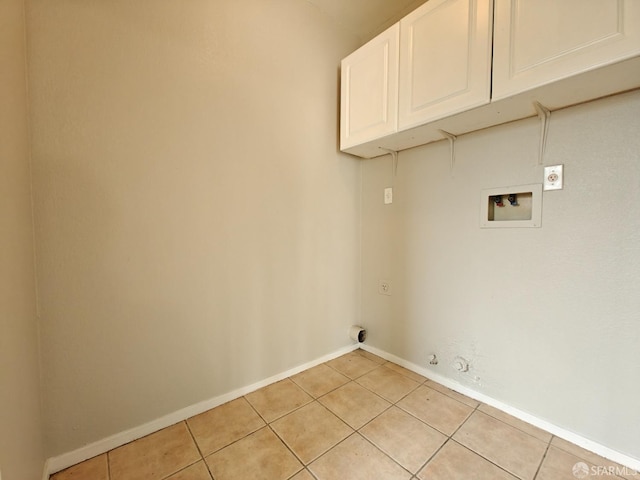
(198,230)
(21,452)
(548,317)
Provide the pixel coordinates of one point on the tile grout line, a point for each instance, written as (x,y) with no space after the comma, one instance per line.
(423,384)
(464,421)
(395,404)
(305,465)
(197,448)
(585,460)
(327,392)
(369,421)
(385,453)
(432,456)
(268,425)
(194,439)
(209,470)
(284,414)
(108,453)
(234,441)
(452,397)
(355,380)
(404,374)
(361,356)
(487,459)
(399,374)
(244,397)
(299,472)
(354,430)
(358,430)
(180,470)
(392,403)
(475,409)
(517,428)
(542,459)
(316,400)
(311,473)
(340,442)
(289,449)
(449,437)
(202,458)
(374,418)
(417,418)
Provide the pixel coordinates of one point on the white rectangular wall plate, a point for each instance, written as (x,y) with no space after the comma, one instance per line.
(553,177)
(388,195)
(528,197)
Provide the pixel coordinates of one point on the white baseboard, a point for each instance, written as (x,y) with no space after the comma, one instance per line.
(60,462)
(46,470)
(603,451)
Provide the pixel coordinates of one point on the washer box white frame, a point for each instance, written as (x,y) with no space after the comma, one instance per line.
(535,189)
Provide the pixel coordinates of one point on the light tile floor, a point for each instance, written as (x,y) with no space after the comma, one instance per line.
(354,417)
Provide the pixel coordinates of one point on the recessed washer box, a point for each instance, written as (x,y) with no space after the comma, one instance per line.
(522,210)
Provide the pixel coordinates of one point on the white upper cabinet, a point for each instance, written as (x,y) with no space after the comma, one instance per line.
(537,42)
(457,66)
(445,60)
(369,90)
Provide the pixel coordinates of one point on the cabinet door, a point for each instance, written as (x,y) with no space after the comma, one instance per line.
(369,90)
(539,41)
(445,59)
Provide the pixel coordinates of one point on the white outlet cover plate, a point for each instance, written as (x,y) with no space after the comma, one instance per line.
(553,177)
(388,195)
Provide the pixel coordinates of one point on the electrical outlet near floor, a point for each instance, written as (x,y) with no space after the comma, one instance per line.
(384,287)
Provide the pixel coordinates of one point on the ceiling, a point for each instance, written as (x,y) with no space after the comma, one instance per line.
(366,18)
